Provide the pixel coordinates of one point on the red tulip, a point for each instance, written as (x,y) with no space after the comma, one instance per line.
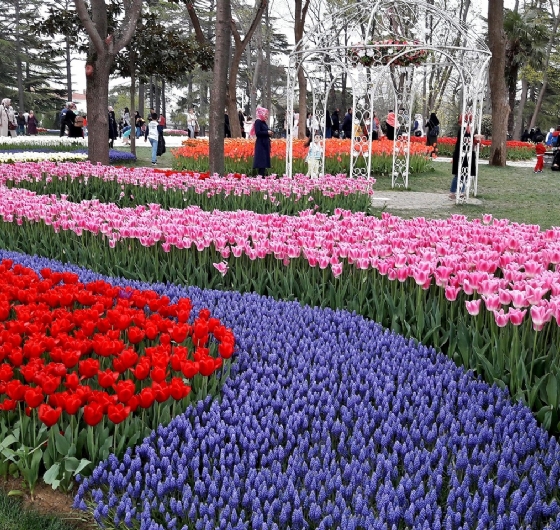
(72,381)
(49,384)
(190,369)
(93,413)
(146,398)
(225,349)
(48,415)
(179,332)
(15,390)
(34,397)
(178,389)
(107,378)
(161,391)
(135,335)
(118,413)
(88,368)
(158,374)
(8,405)
(142,370)
(206,366)
(6,372)
(72,404)
(125,390)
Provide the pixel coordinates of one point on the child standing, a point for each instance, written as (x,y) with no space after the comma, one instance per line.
(314,157)
(540,149)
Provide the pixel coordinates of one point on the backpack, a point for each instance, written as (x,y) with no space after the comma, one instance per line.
(434,131)
(79,121)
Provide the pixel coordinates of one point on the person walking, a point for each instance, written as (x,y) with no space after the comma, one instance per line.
(540,150)
(456,168)
(261,159)
(113,128)
(347,124)
(62,117)
(32,124)
(8,124)
(328,125)
(241,122)
(74,131)
(227,130)
(432,124)
(138,123)
(335,128)
(20,124)
(191,122)
(390,122)
(152,134)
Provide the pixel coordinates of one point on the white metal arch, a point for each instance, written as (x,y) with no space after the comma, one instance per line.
(392,34)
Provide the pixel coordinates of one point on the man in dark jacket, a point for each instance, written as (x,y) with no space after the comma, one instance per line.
(335,124)
(347,124)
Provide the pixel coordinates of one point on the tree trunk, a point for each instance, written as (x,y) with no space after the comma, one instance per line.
(268,89)
(97,98)
(240,46)
(19,65)
(102,50)
(163,108)
(219,81)
(142,99)
(132,101)
(300,12)
(512,93)
(519,119)
(68,70)
(498,89)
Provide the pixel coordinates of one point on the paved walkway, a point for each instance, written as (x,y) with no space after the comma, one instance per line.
(414,200)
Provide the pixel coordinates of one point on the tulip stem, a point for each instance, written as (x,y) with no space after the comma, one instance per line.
(532,360)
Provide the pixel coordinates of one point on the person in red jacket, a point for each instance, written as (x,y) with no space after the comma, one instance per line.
(540,149)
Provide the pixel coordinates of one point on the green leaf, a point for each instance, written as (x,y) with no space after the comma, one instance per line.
(51,476)
(552,390)
(62,444)
(15,493)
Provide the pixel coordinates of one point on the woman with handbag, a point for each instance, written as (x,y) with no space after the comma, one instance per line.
(8,123)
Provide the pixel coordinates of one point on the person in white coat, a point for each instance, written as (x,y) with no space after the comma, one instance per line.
(8,122)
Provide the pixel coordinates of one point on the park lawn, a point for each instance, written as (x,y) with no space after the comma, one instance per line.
(144,156)
(514,193)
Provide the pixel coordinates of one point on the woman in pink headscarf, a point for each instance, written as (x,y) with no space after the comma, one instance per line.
(390,123)
(261,160)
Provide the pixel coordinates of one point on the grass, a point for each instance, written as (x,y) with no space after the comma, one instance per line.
(144,156)
(13,516)
(514,193)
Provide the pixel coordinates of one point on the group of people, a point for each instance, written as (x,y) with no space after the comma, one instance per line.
(20,124)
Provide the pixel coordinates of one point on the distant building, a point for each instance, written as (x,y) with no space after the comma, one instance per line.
(79,98)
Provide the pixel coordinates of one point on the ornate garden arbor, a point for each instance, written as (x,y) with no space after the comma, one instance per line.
(392,45)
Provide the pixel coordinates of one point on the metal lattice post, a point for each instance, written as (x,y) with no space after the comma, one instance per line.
(403,110)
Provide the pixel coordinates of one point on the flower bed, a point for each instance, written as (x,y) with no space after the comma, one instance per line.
(30,142)
(133,186)
(340,444)
(50,154)
(193,156)
(78,356)
(379,432)
(7,157)
(418,267)
(515,150)
(175,132)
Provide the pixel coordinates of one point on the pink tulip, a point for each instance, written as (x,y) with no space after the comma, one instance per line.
(222,267)
(451,293)
(516,316)
(518,298)
(473,306)
(540,315)
(336,269)
(492,302)
(501,318)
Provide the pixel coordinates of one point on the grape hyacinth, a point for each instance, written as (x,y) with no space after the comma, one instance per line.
(329,421)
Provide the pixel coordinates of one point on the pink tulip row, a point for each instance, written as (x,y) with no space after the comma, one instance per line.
(511,268)
(298,186)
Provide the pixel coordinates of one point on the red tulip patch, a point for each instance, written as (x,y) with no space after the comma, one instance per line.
(96,349)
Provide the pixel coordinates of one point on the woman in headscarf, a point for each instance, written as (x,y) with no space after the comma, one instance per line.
(432,124)
(8,123)
(390,123)
(261,160)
